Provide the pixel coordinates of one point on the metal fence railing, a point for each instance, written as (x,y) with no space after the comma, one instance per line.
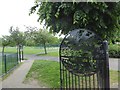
(8,62)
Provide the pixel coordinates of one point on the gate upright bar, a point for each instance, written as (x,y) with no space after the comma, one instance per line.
(107,81)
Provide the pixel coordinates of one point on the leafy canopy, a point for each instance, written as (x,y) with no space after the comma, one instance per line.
(17,37)
(5,40)
(100,17)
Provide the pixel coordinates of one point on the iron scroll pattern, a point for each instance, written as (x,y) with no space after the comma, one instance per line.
(82,59)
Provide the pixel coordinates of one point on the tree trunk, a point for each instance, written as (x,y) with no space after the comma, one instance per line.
(3,50)
(45,48)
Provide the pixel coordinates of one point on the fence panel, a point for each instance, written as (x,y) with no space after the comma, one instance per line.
(8,62)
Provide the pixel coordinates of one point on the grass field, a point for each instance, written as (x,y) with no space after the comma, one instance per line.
(47,72)
(52,51)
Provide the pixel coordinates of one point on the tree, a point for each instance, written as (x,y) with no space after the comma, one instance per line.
(100,17)
(43,37)
(0,41)
(35,37)
(6,40)
(30,35)
(18,38)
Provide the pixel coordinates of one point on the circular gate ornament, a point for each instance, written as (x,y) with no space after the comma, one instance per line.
(81,52)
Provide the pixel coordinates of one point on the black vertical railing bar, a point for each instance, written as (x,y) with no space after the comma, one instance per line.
(72,81)
(16,59)
(60,74)
(69,80)
(75,82)
(93,81)
(82,83)
(85,81)
(89,82)
(97,80)
(107,80)
(118,73)
(103,76)
(5,63)
(19,53)
(66,78)
(9,60)
(22,52)
(63,83)
(61,77)
(78,81)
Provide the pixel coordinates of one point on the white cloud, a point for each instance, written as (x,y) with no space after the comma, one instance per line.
(16,13)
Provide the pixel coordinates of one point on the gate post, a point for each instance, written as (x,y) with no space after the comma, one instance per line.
(106,71)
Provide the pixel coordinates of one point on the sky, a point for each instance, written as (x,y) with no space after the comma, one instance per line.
(16,13)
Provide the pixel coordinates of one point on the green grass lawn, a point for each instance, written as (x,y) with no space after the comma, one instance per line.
(54,51)
(47,72)
(55,54)
(34,50)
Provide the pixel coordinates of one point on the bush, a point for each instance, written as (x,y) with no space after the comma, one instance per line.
(114,50)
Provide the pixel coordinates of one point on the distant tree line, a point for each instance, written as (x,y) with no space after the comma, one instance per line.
(32,37)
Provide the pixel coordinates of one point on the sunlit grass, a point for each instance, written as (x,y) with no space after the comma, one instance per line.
(55,54)
(47,73)
(32,50)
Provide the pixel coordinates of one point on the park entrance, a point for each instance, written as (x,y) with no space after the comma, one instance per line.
(84,61)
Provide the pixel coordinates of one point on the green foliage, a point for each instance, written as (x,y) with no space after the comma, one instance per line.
(30,35)
(35,37)
(42,37)
(100,17)
(114,50)
(5,40)
(17,37)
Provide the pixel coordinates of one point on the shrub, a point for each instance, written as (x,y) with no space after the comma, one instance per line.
(114,50)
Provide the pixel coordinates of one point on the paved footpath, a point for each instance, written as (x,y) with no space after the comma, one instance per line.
(15,80)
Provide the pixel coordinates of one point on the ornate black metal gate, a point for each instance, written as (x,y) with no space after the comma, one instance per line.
(83,61)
